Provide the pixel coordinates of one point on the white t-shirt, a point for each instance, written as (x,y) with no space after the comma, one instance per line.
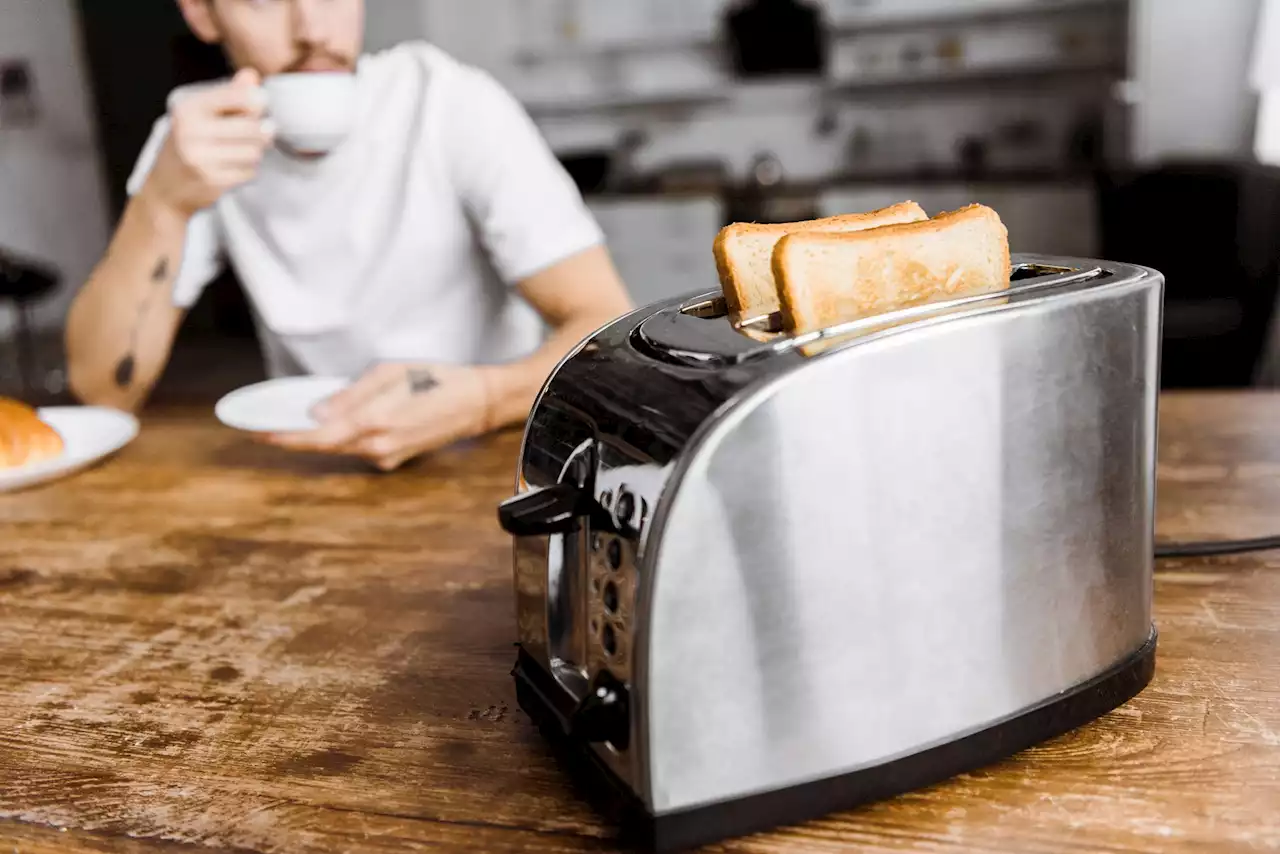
(404,243)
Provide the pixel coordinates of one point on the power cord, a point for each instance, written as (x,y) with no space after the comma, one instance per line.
(1212,549)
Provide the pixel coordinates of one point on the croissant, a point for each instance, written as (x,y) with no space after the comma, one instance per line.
(24,438)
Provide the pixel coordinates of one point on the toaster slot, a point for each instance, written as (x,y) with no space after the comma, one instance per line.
(707,309)
(768,326)
(698,332)
(1028,280)
(765,324)
(1027,272)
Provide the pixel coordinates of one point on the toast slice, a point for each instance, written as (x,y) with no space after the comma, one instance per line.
(825,279)
(744,254)
(24,438)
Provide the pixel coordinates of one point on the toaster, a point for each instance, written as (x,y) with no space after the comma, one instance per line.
(762,577)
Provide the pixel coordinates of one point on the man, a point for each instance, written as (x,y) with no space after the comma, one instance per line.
(391,259)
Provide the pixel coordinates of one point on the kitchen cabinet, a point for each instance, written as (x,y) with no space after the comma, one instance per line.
(628,22)
(662,246)
(1189,93)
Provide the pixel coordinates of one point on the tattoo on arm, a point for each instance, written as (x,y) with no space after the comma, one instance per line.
(128,366)
(421,381)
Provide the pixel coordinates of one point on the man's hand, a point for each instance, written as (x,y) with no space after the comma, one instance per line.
(397,412)
(216,141)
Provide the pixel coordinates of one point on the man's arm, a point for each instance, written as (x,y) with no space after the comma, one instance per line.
(575,297)
(121,326)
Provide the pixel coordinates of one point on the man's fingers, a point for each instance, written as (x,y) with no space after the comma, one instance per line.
(233,175)
(235,155)
(247,77)
(346,403)
(390,463)
(304,443)
(404,442)
(241,97)
(380,450)
(385,451)
(379,445)
(242,130)
(372,416)
(333,437)
(291,441)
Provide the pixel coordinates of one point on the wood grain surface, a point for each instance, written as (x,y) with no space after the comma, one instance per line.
(207,643)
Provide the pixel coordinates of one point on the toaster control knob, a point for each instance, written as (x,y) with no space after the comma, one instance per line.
(630,511)
(602,716)
(626,508)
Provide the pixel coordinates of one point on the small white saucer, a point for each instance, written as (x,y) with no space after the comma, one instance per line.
(278,406)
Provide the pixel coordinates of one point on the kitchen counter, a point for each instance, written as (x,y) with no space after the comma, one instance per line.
(204,643)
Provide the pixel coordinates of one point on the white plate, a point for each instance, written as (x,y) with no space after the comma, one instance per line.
(89,434)
(277,406)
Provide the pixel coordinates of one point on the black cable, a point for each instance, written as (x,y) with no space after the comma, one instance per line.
(1220,547)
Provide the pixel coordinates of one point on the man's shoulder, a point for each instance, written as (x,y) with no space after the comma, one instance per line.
(433,66)
(411,57)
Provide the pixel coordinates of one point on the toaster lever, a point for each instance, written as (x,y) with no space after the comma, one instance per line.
(541,512)
(602,715)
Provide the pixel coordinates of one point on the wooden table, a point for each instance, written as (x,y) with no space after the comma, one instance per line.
(206,643)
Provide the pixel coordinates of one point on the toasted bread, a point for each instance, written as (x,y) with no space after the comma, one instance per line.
(744,254)
(825,279)
(24,438)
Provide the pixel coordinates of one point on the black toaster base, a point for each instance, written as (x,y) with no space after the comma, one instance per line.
(699,826)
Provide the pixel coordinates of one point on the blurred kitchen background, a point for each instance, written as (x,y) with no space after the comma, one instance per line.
(1122,129)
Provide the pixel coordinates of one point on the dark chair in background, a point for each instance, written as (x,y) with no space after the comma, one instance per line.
(1213,229)
(23,283)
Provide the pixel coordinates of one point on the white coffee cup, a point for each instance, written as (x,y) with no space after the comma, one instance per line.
(312,112)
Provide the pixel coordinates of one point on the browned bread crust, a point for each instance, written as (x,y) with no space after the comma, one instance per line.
(744,253)
(825,279)
(24,438)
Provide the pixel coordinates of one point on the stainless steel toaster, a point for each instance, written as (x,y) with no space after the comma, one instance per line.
(763,577)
